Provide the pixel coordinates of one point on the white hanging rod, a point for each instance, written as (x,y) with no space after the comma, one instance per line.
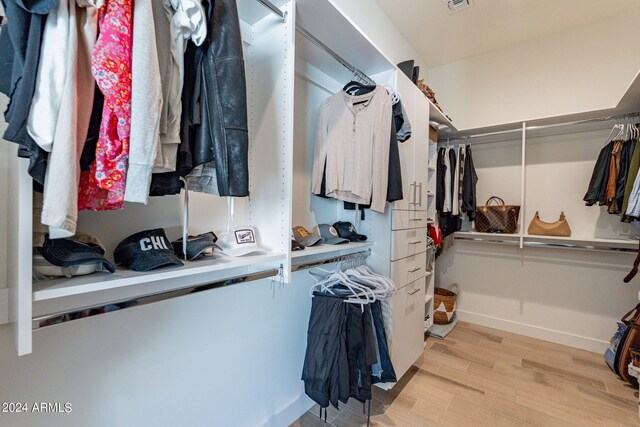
(540,127)
(357,73)
(75,313)
(349,257)
(535,244)
(274,9)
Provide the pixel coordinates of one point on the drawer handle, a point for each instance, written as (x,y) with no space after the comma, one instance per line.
(414,270)
(415,243)
(416,219)
(414,292)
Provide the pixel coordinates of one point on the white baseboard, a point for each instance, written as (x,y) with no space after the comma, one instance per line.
(291,412)
(4,306)
(558,337)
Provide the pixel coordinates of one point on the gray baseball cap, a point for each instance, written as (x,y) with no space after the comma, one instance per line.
(305,237)
(329,234)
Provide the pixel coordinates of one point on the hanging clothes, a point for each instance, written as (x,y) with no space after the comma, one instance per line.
(596,191)
(326,366)
(26,21)
(146,103)
(357,171)
(441,171)
(625,163)
(223,139)
(614,166)
(394,187)
(103,187)
(61,109)
(630,183)
(469,184)
(449,167)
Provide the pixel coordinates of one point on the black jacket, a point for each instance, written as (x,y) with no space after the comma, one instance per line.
(598,184)
(469,182)
(224,134)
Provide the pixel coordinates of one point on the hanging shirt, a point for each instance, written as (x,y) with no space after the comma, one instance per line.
(146,103)
(352,141)
(62,106)
(170,45)
(103,187)
(25,25)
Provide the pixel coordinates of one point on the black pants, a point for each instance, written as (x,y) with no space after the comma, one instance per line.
(326,368)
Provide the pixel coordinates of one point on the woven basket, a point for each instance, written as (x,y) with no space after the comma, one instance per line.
(444,304)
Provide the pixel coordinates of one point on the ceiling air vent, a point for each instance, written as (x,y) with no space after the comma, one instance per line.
(458,5)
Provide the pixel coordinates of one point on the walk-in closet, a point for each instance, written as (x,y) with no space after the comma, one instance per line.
(319,213)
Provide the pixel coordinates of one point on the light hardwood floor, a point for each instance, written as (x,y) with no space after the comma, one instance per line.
(479,376)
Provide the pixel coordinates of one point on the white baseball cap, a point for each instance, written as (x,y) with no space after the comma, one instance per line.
(240,241)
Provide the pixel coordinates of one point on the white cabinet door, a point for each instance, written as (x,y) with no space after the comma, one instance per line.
(420,132)
(406,342)
(407,91)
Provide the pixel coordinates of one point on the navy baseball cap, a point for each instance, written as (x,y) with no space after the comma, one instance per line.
(348,231)
(146,251)
(69,252)
(196,245)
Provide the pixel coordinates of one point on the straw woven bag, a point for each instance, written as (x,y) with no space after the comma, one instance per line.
(444,304)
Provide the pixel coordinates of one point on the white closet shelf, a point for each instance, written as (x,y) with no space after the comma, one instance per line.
(219,267)
(438,116)
(316,253)
(428,298)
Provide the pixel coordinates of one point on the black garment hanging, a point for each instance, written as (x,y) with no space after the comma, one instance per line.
(169,183)
(25,26)
(361,352)
(469,183)
(440,179)
(326,366)
(598,184)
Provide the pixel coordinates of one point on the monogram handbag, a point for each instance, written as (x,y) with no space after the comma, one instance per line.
(497,218)
(559,228)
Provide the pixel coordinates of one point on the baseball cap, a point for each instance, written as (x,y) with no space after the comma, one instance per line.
(295,246)
(197,246)
(305,237)
(69,252)
(329,234)
(240,241)
(146,251)
(348,231)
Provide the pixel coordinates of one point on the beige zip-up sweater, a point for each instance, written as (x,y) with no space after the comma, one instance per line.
(352,142)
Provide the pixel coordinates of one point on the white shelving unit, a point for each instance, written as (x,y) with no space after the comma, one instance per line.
(288,76)
(269,53)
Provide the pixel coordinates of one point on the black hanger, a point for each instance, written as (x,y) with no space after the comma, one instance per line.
(357,88)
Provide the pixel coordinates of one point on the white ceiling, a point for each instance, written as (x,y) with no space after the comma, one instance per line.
(441,37)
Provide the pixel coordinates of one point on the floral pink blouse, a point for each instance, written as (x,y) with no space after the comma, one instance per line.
(102,188)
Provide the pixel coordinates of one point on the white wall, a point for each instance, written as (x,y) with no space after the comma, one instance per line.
(570,297)
(581,69)
(375,23)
